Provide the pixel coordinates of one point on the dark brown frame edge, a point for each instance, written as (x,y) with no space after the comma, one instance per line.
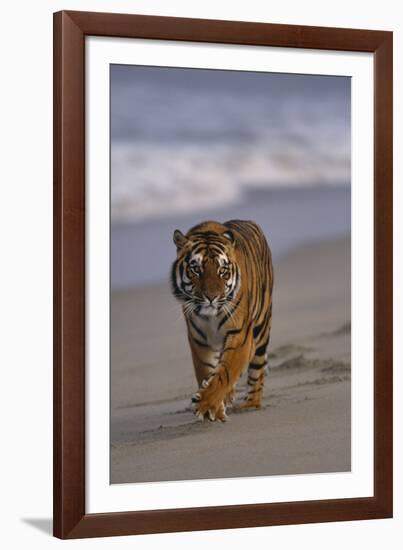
(70,518)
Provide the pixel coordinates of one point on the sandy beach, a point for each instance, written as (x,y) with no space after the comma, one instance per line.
(304,424)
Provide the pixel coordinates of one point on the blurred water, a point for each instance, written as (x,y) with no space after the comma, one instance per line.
(142,252)
(187,139)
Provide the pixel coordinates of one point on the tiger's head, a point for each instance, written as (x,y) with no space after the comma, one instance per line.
(205,275)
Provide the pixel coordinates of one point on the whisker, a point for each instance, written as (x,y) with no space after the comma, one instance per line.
(189,308)
(230,313)
(231,304)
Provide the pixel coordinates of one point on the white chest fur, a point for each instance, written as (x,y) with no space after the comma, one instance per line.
(215,337)
(210,328)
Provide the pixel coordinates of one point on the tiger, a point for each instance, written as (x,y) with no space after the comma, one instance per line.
(223,278)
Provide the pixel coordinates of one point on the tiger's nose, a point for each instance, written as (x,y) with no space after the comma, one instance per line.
(211,298)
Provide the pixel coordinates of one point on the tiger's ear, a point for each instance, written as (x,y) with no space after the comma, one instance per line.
(179,239)
(230,236)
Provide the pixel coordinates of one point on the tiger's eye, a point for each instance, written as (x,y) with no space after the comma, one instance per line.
(223,271)
(196,269)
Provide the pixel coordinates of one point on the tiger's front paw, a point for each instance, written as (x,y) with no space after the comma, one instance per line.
(207,406)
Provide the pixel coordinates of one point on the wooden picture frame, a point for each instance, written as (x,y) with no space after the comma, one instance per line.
(70,517)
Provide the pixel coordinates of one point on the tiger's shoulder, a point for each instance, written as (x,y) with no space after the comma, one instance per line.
(247,230)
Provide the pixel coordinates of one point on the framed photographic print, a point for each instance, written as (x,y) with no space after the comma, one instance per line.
(222,272)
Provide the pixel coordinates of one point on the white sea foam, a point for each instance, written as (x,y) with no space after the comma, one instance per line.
(181,144)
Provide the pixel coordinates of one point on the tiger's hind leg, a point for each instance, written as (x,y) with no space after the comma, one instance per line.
(230,398)
(256,374)
(256,369)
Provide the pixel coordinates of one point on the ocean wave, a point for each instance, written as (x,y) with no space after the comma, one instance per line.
(184,140)
(149,180)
